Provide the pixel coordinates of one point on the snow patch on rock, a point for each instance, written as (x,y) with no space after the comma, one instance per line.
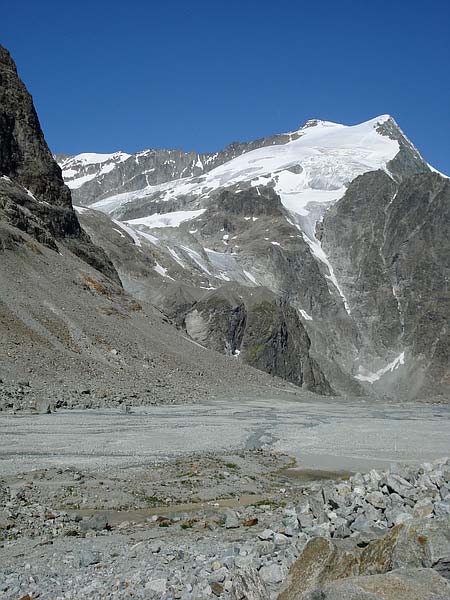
(368,376)
(172,219)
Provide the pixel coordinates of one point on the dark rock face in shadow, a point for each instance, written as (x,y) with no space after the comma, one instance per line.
(33,196)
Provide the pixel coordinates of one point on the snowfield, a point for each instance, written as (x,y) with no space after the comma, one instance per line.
(172,219)
(309,173)
(329,156)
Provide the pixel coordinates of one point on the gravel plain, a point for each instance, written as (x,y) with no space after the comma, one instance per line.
(338,435)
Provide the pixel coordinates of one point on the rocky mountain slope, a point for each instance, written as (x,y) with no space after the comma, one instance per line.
(332,239)
(71,334)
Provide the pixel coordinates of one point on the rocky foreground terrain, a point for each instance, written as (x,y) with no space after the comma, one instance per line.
(243,525)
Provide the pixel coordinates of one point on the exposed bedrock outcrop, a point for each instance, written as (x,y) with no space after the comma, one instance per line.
(33,196)
(258,327)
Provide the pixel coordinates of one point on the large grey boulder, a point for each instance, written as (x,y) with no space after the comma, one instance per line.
(97,522)
(271,574)
(415,544)
(321,561)
(399,485)
(424,542)
(88,557)
(376,499)
(248,585)
(231,520)
(400,584)
(442,509)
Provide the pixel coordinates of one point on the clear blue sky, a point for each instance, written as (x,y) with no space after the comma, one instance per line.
(108,75)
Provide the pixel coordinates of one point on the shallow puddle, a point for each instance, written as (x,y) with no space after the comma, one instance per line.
(140,515)
(312,475)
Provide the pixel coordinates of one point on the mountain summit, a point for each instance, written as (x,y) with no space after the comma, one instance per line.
(353,150)
(296,253)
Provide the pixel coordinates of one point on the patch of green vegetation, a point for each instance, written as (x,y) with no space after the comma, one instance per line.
(231,466)
(149,500)
(253,352)
(217,301)
(291,464)
(265,308)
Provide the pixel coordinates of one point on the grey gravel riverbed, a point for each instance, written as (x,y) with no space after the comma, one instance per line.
(334,435)
(201,501)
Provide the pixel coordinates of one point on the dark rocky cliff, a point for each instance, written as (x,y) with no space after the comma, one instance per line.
(33,196)
(261,328)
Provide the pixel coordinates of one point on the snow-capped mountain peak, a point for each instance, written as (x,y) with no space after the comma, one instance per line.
(81,168)
(309,170)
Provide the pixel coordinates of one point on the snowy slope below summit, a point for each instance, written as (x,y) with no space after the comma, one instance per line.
(314,167)
(310,172)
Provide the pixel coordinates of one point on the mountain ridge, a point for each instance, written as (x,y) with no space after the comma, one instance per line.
(262,219)
(190,163)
